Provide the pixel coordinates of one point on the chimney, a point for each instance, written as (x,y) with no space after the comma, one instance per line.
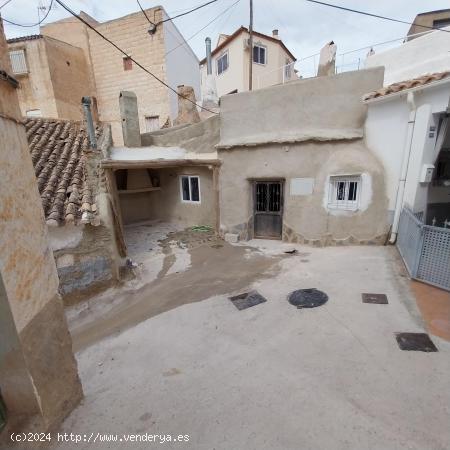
(327,61)
(208,56)
(86,102)
(275,34)
(130,119)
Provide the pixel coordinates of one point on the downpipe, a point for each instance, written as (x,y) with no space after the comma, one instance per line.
(410,100)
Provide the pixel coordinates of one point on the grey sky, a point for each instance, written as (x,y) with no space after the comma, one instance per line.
(304,27)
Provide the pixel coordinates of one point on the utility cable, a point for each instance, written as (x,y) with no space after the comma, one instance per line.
(129,56)
(375,15)
(187,12)
(201,29)
(31,25)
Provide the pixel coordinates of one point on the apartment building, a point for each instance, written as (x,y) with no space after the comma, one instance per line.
(273,63)
(161,50)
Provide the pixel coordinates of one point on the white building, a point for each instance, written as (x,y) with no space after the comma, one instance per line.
(273,63)
(428,53)
(408,129)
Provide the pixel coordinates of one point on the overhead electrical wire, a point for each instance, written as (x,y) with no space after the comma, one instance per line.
(29,25)
(373,15)
(129,56)
(4,4)
(201,29)
(187,12)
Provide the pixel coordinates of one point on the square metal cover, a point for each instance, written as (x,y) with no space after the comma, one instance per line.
(247,300)
(380,299)
(419,342)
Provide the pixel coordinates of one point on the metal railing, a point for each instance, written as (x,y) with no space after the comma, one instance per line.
(425,249)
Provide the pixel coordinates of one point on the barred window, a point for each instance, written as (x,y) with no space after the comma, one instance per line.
(344,192)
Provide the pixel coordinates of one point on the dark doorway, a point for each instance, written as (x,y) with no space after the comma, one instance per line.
(268,209)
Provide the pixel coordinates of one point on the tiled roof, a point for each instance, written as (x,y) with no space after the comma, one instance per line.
(408,84)
(24,38)
(58,153)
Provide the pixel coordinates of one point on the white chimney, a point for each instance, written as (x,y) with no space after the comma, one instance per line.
(275,34)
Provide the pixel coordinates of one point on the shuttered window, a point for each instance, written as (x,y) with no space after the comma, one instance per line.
(18,61)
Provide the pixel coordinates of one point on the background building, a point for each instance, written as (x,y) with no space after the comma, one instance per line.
(436,19)
(272,62)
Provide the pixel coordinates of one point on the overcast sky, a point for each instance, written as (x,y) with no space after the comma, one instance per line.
(304,27)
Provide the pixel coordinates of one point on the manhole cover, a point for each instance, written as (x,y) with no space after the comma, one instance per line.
(247,299)
(419,342)
(307,298)
(380,299)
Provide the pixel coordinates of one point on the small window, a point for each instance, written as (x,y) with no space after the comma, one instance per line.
(127,63)
(222,63)
(34,113)
(259,54)
(18,61)
(190,189)
(344,193)
(151,123)
(288,69)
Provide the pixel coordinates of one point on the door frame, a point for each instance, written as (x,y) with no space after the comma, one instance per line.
(254,182)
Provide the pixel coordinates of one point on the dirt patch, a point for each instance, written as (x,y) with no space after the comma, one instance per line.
(213,271)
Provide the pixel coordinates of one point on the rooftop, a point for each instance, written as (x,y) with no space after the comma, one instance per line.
(31,37)
(57,150)
(243,29)
(393,88)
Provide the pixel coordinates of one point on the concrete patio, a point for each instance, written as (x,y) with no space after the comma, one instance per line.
(176,357)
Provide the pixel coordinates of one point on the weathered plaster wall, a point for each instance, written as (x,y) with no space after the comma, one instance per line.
(199,137)
(30,280)
(322,108)
(166,204)
(70,78)
(306,218)
(35,88)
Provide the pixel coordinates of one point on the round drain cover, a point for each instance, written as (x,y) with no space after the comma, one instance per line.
(307,298)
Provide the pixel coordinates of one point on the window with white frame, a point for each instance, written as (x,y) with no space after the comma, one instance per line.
(344,192)
(222,63)
(259,54)
(288,69)
(190,188)
(18,61)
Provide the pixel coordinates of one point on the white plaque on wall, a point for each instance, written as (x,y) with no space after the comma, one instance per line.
(301,186)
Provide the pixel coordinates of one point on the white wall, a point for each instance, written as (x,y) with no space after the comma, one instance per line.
(386,134)
(181,65)
(426,54)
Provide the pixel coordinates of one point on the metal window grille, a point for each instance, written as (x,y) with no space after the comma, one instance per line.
(222,63)
(18,61)
(344,193)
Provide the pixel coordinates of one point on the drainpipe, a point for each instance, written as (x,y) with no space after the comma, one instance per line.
(405,164)
(86,102)
(208,56)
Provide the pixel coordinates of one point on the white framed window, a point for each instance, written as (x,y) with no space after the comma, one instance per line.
(288,69)
(18,61)
(222,63)
(259,54)
(344,192)
(151,123)
(190,188)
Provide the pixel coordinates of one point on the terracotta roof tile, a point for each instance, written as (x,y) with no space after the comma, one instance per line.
(57,150)
(408,84)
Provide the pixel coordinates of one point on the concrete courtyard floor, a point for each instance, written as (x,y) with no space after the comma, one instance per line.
(174,356)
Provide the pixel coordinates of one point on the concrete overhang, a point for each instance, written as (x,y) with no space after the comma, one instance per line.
(153,156)
(318,135)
